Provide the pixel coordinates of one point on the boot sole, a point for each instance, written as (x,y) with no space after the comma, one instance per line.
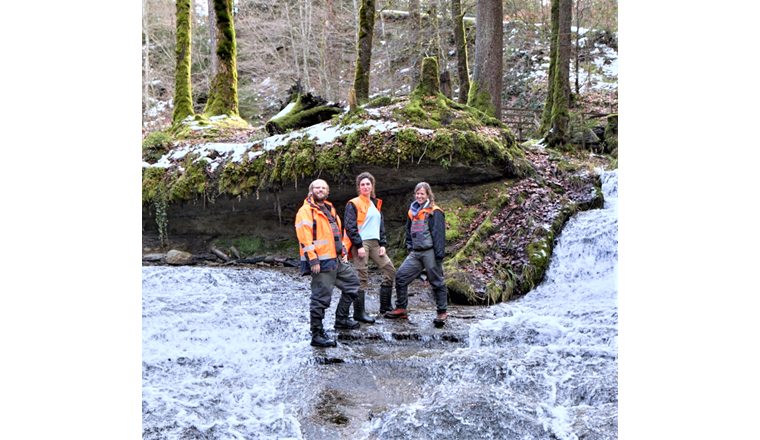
(345,327)
(371,321)
(324,345)
(397,317)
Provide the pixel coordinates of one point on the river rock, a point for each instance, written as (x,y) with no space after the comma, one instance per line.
(178,258)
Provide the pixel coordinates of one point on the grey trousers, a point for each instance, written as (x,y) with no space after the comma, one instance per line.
(344,278)
(411,268)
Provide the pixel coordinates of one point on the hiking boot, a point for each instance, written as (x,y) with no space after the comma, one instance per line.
(440,319)
(397,314)
(346,323)
(320,339)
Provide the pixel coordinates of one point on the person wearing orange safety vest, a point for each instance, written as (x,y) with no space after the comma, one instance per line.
(324,257)
(426,243)
(364,237)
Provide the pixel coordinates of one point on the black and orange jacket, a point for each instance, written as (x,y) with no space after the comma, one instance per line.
(317,237)
(435,220)
(354,215)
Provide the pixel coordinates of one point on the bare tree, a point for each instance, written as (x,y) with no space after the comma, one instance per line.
(223,97)
(415,50)
(485,89)
(183,97)
(460,41)
(146,58)
(364,49)
(212,37)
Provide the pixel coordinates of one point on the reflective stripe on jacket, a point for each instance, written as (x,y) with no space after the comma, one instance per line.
(351,236)
(316,237)
(419,228)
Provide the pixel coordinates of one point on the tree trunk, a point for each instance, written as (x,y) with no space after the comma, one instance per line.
(183,98)
(460,41)
(560,133)
(223,97)
(146,59)
(546,117)
(415,31)
(364,49)
(212,38)
(429,84)
(485,90)
(577,45)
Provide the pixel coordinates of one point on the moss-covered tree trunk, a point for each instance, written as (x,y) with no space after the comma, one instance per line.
(223,97)
(429,84)
(485,89)
(183,97)
(560,113)
(460,41)
(364,50)
(546,117)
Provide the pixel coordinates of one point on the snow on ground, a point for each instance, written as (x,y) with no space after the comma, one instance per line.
(323,133)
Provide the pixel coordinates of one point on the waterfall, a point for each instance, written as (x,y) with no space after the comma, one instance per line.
(226,355)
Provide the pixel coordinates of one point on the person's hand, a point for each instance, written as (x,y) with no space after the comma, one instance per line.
(382,251)
(361,252)
(315,268)
(344,259)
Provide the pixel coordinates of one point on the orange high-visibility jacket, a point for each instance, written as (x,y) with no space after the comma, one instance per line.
(316,237)
(361,205)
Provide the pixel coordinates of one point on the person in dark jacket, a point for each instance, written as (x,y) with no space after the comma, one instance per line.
(325,258)
(426,242)
(364,237)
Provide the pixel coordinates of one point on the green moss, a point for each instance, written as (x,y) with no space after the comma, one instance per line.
(223,94)
(152,178)
(183,97)
(155,145)
(191,183)
(480,99)
(379,102)
(256,246)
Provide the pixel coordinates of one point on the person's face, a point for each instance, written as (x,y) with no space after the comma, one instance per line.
(320,191)
(421,196)
(365,187)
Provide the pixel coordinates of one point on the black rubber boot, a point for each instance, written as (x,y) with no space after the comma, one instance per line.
(360,314)
(342,320)
(385,299)
(320,339)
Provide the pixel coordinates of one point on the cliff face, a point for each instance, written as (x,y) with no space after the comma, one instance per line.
(504,203)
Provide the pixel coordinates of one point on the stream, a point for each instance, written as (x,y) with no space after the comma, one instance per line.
(226,355)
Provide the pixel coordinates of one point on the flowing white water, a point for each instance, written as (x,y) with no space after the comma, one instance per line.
(226,355)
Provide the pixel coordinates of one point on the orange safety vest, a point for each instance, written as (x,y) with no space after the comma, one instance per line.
(317,236)
(362,206)
(421,236)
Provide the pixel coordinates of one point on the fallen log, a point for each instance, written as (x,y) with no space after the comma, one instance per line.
(302,110)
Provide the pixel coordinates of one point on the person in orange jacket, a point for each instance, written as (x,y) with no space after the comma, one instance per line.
(426,242)
(326,259)
(364,237)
